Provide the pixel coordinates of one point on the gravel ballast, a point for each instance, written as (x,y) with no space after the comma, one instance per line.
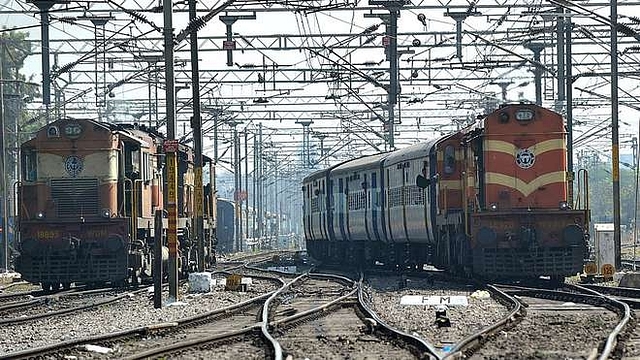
(133,312)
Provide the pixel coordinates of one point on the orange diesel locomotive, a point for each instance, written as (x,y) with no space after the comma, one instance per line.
(491,199)
(87,198)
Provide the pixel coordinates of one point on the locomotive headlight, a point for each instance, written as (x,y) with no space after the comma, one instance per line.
(106,213)
(563,205)
(40,215)
(493,207)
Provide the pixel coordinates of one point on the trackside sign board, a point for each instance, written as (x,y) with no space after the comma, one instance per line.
(453,300)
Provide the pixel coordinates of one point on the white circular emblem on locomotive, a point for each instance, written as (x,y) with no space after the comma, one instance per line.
(525,158)
(73,165)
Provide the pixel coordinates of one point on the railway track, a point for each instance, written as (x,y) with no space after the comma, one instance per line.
(59,304)
(320,316)
(141,341)
(338,325)
(571,321)
(630,341)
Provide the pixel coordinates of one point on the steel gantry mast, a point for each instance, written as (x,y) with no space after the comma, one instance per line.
(393,6)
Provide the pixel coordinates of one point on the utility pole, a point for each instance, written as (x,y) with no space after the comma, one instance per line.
(246,179)
(260,182)
(393,6)
(537,48)
(615,154)
(237,186)
(44,7)
(254,232)
(196,125)
(3,158)
(459,18)
(560,43)
(570,173)
(171,149)
(321,137)
(230,44)
(306,145)
(99,23)
(276,207)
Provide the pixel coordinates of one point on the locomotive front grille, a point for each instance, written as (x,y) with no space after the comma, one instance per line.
(75,197)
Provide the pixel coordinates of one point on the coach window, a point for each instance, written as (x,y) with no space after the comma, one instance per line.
(30,165)
(449,159)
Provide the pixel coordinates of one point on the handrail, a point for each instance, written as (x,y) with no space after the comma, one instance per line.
(124,202)
(17,195)
(583,178)
(465,203)
(583,190)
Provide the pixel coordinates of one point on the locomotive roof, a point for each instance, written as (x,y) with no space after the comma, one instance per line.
(364,162)
(414,151)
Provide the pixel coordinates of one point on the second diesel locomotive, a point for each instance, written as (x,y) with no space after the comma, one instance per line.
(491,199)
(87,199)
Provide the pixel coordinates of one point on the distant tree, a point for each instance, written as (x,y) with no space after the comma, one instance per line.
(18,89)
(601,193)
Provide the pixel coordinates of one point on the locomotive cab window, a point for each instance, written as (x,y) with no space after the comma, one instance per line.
(147,169)
(449,159)
(132,161)
(30,165)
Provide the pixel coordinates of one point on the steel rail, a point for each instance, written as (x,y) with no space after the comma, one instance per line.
(409,338)
(139,331)
(515,316)
(612,339)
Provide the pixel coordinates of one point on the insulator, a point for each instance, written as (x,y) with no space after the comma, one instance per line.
(65,68)
(68,20)
(625,29)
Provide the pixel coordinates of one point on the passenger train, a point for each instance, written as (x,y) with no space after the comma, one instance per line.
(490,200)
(87,198)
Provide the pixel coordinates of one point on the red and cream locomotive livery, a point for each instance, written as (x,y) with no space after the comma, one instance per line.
(87,199)
(491,199)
